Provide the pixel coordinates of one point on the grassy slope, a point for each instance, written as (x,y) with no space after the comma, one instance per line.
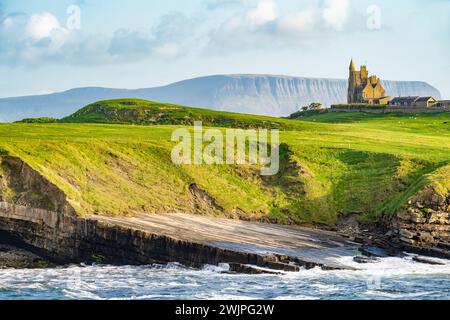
(353,163)
(399,155)
(142,112)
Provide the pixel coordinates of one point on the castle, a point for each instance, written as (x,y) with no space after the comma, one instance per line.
(363,88)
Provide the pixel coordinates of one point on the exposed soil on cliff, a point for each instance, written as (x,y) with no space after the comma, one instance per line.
(22,185)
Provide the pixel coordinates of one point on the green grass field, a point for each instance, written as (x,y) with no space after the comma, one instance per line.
(332,164)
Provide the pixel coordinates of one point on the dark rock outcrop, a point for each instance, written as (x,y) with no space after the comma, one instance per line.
(248,269)
(428,261)
(73,239)
(424,225)
(15,257)
(364,260)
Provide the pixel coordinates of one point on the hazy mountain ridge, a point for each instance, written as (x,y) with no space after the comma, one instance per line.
(256,94)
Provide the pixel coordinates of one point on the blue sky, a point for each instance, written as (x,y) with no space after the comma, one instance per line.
(48,46)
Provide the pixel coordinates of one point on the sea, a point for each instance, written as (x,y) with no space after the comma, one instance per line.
(392,278)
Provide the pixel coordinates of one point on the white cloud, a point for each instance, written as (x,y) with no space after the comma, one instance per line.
(40,38)
(300,21)
(29,39)
(168,50)
(265,11)
(43,25)
(264,24)
(336,14)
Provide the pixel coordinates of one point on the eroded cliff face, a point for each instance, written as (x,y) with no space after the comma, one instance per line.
(23,186)
(35,211)
(39,213)
(424,224)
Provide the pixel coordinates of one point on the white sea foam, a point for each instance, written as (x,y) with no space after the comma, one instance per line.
(396,266)
(391,278)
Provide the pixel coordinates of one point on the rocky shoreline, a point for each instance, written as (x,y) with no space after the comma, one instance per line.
(160,239)
(40,215)
(14,254)
(16,258)
(30,239)
(46,228)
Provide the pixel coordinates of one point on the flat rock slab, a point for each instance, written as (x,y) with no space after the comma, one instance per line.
(303,244)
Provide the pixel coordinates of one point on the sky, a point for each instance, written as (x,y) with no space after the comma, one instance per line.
(49,46)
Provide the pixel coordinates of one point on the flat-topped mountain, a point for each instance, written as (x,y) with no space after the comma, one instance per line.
(256,94)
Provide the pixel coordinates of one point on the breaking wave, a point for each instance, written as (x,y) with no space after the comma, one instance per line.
(390,278)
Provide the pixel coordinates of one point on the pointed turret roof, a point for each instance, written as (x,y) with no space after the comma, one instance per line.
(352,65)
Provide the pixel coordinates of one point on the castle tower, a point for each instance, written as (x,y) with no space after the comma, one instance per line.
(353,80)
(352,66)
(363,88)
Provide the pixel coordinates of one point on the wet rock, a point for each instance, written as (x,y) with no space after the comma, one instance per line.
(428,261)
(374,252)
(17,258)
(363,260)
(282,266)
(444,245)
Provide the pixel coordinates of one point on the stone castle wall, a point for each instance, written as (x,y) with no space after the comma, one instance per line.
(389,109)
(362,87)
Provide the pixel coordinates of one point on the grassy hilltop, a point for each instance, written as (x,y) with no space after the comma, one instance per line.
(142,112)
(108,160)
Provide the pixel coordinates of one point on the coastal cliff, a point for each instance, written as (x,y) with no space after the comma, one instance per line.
(36,211)
(60,179)
(52,229)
